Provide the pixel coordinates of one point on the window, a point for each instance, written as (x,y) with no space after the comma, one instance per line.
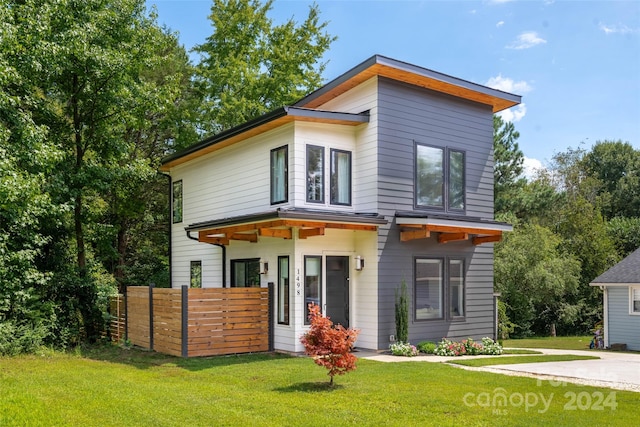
(315,174)
(177,201)
(634,300)
(245,273)
(429,283)
(283,290)
(435,278)
(440,178)
(456,288)
(196,274)
(312,283)
(340,177)
(279,175)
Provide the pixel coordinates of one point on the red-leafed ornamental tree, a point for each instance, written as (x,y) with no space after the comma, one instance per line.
(329,345)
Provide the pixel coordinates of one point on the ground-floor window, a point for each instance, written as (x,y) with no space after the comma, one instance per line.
(634,300)
(439,286)
(312,283)
(196,274)
(245,273)
(283,290)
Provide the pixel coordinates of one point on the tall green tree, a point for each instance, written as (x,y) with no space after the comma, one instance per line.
(250,66)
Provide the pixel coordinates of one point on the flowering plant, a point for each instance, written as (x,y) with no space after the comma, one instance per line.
(403,349)
(469,347)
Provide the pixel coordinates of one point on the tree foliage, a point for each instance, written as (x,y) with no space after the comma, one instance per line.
(250,66)
(330,345)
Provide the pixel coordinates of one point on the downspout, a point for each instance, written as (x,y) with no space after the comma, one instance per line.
(224,257)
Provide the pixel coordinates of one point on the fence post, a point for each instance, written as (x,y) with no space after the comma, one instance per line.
(151,286)
(126,315)
(185,321)
(271,317)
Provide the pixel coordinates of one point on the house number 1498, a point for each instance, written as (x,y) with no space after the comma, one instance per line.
(298,281)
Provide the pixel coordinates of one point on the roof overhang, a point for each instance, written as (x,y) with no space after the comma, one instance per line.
(260,125)
(450,228)
(418,76)
(601,284)
(281,223)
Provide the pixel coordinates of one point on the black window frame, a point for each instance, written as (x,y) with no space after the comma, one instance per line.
(246,261)
(322,176)
(445,289)
(192,277)
(446,179)
(283,292)
(177,196)
(272,175)
(333,184)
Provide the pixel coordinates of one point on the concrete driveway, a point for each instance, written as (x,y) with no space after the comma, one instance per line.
(613,370)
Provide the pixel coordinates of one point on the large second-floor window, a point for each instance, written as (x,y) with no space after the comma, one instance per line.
(315,174)
(440,178)
(279,175)
(340,177)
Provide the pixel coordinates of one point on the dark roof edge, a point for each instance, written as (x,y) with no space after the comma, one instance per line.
(424,215)
(405,66)
(266,118)
(360,218)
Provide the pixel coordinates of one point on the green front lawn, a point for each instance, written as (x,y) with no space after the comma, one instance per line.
(561,343)
(512,360)
(115,387)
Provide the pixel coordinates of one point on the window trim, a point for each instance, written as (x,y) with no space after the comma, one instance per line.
(350,177)
(174,186)
(283,294)
(633,312)
(445,289)
(446,179)
(322,168)
(305,310)
(286,175)
(192,264)
(233,272)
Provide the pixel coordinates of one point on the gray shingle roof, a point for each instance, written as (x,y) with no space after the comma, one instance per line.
(626,271)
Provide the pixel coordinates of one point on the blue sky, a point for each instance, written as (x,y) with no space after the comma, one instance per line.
(575,63)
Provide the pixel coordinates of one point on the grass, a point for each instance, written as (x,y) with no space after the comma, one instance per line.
(511,360)
(561,343)
(113,386)
(520,351)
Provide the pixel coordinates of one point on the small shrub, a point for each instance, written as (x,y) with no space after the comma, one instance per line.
(402,313)
(19,339)
(489,346)
(447,347)
(329,345)
(469,347)
(427,347)
(403,349)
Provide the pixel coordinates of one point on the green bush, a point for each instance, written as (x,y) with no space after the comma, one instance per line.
(18,339)
(427,347)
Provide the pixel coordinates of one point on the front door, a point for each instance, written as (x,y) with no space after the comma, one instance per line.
(338,290)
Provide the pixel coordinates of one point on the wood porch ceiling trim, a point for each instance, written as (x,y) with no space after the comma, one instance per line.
(280,228)
(447,233)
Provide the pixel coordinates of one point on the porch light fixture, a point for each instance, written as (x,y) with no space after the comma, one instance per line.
(264,267)
(359,263)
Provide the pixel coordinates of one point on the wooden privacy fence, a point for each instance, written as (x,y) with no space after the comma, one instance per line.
(191,322)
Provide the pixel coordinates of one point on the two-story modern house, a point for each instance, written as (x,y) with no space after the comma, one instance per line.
(382,175)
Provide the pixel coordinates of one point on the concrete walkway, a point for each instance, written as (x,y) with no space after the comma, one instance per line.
(613,369)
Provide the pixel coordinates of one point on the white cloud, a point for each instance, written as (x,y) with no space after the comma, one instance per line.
(500,24)
(506,84)
(513,114)
(618,29)
(526,40)
(531,167)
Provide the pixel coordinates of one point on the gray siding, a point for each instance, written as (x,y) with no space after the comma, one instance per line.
(407,114)
(623,327)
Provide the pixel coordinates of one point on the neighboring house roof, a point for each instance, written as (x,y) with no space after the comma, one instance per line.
(626,272)
(305,109)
